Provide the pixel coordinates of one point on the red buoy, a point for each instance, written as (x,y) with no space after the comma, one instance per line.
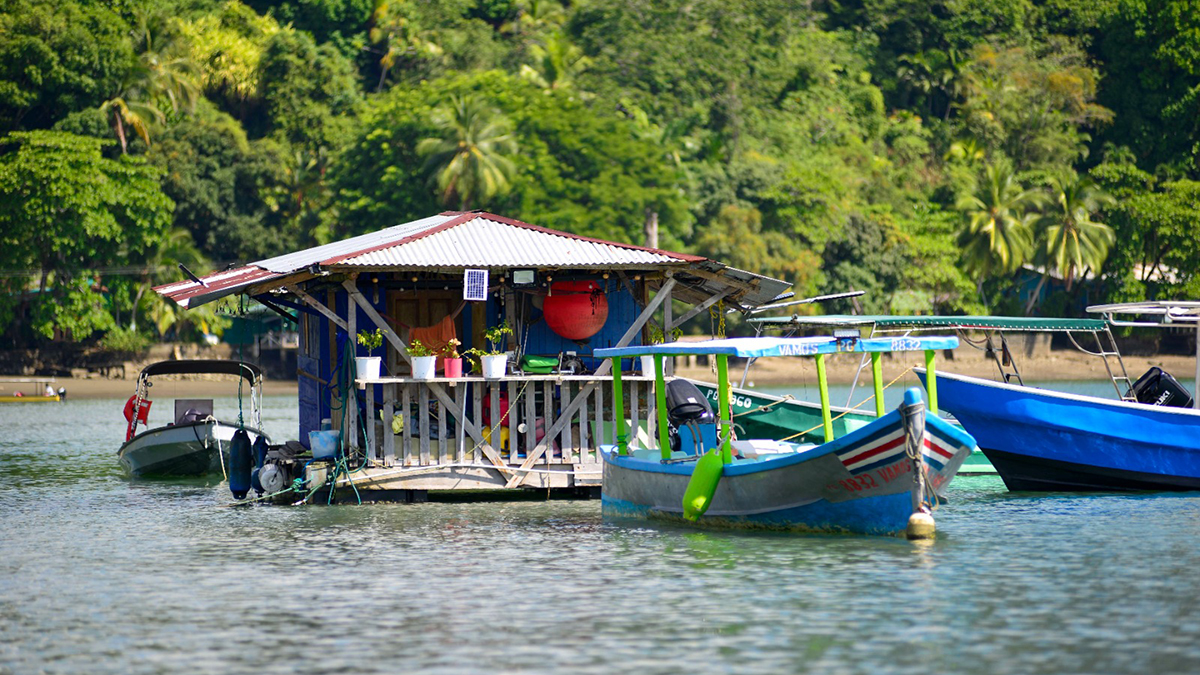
(575,310)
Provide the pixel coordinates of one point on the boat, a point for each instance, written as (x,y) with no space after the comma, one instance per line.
(42,389)
(881,478)
(194,443)
(1042,440)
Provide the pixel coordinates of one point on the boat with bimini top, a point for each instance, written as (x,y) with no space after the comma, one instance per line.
(194,443)
(1146,438)
(881,478)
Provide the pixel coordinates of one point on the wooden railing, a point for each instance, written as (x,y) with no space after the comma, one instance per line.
(511,423)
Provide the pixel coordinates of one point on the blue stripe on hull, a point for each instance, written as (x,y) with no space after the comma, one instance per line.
(884,514)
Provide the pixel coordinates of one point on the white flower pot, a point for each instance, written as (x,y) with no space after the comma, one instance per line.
(494,365)
(424,367)
(647,365)
(367,367)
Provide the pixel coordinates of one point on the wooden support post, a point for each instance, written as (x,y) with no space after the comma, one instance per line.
(443,443)
(406,417)
(877,380)
(511,421)
(565,441)
(495,438)
(476,413)
(389,415)
(530,418)
(316,304)
(823,388)
(660,396)
(423,423)
(372,441)
(460,432)
(931,379)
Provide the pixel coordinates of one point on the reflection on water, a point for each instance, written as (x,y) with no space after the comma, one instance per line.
(102,575)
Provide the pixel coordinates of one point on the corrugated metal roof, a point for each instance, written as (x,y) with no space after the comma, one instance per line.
(216,285)
(299,260)
(493,242)
(458,240)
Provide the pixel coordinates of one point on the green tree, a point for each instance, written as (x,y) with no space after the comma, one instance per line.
(57,58)
(997,237)
(469,160)
(64,210)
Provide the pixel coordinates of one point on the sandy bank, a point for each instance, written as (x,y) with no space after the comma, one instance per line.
(1053,365)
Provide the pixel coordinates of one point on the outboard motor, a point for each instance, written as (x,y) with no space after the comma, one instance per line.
(259,450)
(686,405)
(1157,387)
(240,461)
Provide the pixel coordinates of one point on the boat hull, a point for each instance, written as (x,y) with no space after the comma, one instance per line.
(1041,440)
(198,449)
(812,490)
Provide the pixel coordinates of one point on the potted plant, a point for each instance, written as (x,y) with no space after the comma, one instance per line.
(368,366)
(656,338)
(494,361)
(424,360)
(451,361)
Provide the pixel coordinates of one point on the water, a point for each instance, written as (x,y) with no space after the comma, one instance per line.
(102,575)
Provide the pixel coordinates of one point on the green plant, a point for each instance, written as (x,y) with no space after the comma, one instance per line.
(415,348)
(124,340)
(657,337)
(371,339)
(495,337)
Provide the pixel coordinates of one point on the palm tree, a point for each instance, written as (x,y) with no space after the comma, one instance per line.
(469,162)
(1069,240)
(556,65)
(162,72)
(998,236)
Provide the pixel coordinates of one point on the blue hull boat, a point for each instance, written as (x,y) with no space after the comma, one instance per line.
(860,483)
(883,477)
(1041,440)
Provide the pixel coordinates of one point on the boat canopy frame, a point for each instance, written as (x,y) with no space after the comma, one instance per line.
(247,371)
(818,347)
(1169,313)
(994,344)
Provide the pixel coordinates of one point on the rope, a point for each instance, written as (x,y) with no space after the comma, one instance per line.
(849,410)
(768,406)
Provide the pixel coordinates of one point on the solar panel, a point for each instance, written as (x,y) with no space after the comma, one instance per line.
(475,285)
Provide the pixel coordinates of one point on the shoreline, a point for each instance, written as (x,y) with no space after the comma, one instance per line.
(1050,366)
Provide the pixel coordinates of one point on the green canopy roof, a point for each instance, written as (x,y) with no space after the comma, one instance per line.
(1001,323)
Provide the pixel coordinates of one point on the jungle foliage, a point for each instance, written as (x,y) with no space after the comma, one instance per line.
(943,155)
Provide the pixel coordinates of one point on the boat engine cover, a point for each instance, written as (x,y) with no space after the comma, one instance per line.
(1157,387)
(686,403)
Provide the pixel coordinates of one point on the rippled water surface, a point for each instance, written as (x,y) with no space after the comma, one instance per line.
(101,575)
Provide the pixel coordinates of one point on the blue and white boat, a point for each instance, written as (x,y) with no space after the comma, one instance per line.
(878,479)
(1040,440)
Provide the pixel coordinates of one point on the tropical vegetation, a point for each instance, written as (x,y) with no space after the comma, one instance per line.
(942,155)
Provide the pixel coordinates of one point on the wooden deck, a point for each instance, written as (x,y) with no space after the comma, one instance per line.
(456,435)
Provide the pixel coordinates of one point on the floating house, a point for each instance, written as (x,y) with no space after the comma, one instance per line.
(456,275)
